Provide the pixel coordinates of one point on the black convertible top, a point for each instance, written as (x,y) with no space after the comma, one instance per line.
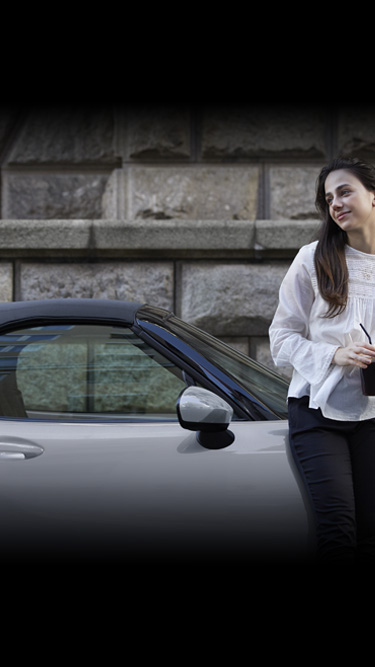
(16,312)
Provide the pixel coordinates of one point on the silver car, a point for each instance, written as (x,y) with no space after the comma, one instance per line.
(126,433)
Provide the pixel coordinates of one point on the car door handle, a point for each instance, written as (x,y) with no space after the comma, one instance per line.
(18,449)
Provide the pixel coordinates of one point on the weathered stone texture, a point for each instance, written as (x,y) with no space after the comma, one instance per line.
(149,281)
(193,237)
(254,131)
(356,131)
(230,299)
(284,234)
(43,235)
(8,121)
(196,192)
(65,135)
(292,192)
(158,133)
(114,196)
(52,196)
(6,282)
(169,235)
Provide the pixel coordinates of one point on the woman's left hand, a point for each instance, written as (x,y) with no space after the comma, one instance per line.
(355,355)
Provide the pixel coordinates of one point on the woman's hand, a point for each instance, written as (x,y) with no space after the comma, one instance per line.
(355,355)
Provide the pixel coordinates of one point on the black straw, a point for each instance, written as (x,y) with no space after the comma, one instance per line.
(369,339)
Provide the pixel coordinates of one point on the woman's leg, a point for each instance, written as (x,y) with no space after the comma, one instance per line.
(362,447)
(321,451)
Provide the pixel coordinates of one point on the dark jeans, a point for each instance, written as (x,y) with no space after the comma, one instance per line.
(336,460)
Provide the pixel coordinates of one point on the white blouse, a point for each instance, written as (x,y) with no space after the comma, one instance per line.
(301,337)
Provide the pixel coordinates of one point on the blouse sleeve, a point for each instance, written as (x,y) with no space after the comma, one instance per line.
(289,331)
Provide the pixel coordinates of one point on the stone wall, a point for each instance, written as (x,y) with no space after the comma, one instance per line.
(199,210)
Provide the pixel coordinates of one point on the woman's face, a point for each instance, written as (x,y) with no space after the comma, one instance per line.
(351,205)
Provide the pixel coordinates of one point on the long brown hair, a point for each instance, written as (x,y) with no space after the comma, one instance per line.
(330,260)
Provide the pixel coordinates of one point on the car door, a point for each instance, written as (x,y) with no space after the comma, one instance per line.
(93,459)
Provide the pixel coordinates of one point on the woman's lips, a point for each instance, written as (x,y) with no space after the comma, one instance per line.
(342,215)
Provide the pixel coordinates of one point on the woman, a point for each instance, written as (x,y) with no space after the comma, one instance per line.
(326,297)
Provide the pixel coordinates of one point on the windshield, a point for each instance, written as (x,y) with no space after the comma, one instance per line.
(265,385)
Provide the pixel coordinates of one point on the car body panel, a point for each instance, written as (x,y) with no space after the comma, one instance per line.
(150,489)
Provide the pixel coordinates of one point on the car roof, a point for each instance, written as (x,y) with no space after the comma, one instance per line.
(16,312)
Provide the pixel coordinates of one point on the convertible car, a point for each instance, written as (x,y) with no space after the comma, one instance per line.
(126,433)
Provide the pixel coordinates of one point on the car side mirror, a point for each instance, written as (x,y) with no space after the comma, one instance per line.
(206,413)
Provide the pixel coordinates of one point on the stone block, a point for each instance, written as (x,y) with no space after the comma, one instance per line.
(173,234)
(256,131)
(44,234)
(150,282)
(228,299)
(114,196)
(73,135)
(292,192)
(356,131)
(217,192)
(8,120)
(157,133)
(6,282)
(284,234)
(51,195)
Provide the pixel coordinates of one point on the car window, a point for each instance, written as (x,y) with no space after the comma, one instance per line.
(262,383)
(85,371)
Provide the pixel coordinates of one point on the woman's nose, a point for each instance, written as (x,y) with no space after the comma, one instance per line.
(336,202)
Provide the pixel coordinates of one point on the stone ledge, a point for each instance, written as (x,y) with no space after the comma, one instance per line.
(284,234)
(134,237)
